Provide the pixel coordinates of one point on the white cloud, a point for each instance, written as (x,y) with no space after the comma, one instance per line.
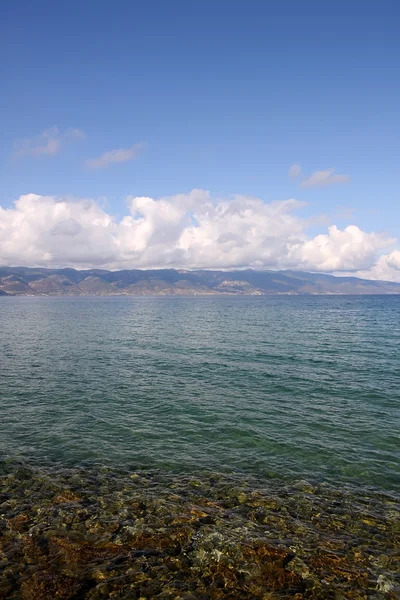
(324,178)
(387,268)
(294,171)
(49,142)
(115,156)
(349,249)
(190,230)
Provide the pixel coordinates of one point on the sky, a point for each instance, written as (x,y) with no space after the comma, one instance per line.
(219,134)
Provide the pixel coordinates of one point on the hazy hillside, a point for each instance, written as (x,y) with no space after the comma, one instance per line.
(70,282)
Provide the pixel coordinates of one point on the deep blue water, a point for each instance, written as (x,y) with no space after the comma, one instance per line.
(283,387)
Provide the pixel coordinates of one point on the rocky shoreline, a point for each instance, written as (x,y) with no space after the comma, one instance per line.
(97,533)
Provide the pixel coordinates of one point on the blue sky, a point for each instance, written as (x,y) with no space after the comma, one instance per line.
(222,96)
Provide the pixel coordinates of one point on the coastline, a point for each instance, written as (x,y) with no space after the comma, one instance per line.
(96,532)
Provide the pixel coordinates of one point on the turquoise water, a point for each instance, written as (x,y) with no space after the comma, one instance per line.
(280,387)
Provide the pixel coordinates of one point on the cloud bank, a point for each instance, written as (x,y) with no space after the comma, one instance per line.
(190,230)
(47,143)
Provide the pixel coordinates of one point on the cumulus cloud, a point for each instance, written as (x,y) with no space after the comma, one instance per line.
(387,268)
(294,171)
(349,249)
(190,230)
(115,156)
(47,143)
(324,178)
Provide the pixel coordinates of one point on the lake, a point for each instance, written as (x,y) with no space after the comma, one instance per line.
(287,397)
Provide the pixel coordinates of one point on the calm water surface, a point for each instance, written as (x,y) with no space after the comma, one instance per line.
(281,387)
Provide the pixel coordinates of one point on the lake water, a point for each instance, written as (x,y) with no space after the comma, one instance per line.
(228,404)
(305,387)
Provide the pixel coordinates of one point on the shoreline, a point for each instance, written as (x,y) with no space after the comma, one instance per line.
(97,532)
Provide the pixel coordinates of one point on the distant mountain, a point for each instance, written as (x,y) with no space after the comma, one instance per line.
(25,281)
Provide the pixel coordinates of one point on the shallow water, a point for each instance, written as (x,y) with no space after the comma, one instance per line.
(95,533)
(199,447)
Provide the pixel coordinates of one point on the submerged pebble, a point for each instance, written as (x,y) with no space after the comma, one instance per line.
(97,534)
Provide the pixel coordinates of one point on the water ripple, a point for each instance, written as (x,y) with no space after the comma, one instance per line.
(304,387)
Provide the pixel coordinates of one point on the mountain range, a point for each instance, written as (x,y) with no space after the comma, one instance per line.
(28,281)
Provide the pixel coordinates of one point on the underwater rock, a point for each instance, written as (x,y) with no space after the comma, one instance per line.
(100,534)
